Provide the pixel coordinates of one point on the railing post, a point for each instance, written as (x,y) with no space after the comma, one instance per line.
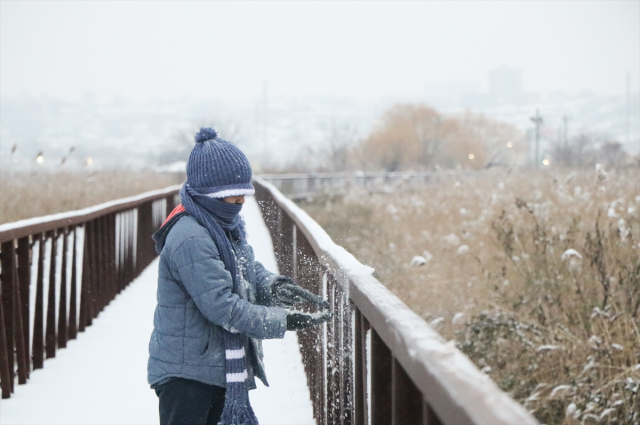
(24,281)
(381,363)
(62,302)
(359,371)
(428,415)
(73,294)
(406,402)
(5,374)
(8,304)
(347,360)
(50,331)
(38,316)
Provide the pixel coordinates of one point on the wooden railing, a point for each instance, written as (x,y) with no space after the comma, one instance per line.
(376,362)
(59,272)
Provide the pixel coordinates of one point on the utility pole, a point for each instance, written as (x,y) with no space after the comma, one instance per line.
(628,108)
(565,140)
(565,119)
(537,120)
(266,123)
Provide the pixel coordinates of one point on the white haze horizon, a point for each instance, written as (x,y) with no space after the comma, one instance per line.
(364,51)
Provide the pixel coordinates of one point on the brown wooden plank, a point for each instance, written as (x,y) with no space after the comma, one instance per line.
(94,299)
(38,317)
(50,331)
(380,381)
(359,417)
(365,369)
(24,281)
(73,290)
(347,364)
(85,290)
(406,402)
(5,375)
(428,415)
(22,357)
(8,279)
(62,297)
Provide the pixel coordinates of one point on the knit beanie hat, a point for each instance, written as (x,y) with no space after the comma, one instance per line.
(217,168)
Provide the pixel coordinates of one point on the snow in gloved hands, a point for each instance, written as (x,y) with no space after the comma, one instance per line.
(297,320)
(288,294)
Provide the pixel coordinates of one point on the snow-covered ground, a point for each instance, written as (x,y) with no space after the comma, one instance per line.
(101,377)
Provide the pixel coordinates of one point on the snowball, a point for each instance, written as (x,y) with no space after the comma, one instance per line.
(451,239)
(559,389)
(436,322)
(427,255)
(606,412)
(462,249)
(391,209)
(570,253)
(544,348)
(457,318)
(418,260)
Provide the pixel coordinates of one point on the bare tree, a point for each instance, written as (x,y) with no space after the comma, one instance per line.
(417,136)
(181,143)
(339,136)
(408,135)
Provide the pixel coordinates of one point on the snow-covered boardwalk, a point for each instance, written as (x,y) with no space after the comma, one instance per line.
(101,377)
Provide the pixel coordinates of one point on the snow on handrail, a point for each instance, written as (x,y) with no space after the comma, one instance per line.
(21,228)
(450,383)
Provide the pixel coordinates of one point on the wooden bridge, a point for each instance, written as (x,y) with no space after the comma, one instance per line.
(376,362)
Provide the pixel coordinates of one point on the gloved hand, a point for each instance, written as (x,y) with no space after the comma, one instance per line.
(297,321)
(287,293)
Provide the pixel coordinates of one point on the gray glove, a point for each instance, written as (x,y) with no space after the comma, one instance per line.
(297,321)
(287,293)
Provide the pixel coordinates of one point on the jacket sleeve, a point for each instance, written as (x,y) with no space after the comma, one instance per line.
(196,262)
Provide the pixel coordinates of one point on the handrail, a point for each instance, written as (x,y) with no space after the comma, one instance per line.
(18,229)
(91,255)
(415,376)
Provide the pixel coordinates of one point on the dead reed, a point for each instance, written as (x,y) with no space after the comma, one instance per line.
(34,194)
(536,275)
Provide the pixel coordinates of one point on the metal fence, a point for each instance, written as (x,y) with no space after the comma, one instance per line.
(376,362)
(59,272)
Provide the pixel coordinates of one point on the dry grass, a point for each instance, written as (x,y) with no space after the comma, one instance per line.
(557,329)
(26,195)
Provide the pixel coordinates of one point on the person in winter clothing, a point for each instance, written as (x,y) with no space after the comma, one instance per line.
(215,301)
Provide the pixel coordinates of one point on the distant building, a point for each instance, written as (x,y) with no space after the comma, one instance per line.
(505,88)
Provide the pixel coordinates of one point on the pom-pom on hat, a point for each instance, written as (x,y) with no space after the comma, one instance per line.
(217,168)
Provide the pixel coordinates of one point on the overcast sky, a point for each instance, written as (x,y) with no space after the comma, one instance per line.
(361,50)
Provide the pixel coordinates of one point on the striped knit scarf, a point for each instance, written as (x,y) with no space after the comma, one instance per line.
(217,217)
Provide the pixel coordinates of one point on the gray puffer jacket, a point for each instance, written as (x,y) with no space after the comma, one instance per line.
(195,303)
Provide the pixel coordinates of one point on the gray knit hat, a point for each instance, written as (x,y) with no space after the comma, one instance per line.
(217,168)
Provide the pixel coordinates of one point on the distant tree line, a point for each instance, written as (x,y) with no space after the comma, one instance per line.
(417,137)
